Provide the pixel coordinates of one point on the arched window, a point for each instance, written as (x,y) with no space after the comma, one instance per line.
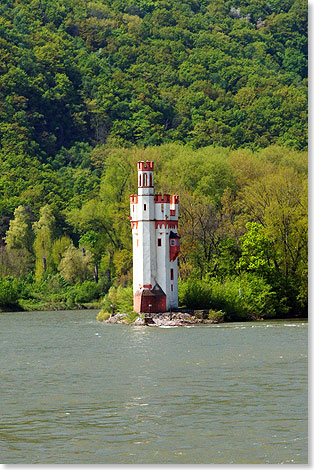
(151,180)
(140,183)
(145,179)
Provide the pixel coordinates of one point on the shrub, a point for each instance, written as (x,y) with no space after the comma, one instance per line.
(76,266)
(8,292)
(120,297)
(216,316)
(194,293)
(255,300)
(86,291)
(70,299)
(131,317)
(103,316)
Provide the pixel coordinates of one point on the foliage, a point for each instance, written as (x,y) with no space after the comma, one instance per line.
(58,248)
(254,301)
(20,234)
(131,317)
(44,230)
(8,293)
(85,292)
(216,316)
(214,92)
(52,292)
(118,299)
(194,293)
(103,316)
(257,252)
(245,297)
(76,266)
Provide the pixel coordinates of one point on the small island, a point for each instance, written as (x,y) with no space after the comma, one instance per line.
(179,318)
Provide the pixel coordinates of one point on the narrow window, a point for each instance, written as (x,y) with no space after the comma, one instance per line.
(140,180)
(171,287)
(151,179)
(171,274)
(144,207)
(159,241)
(145,179)
(172,242)
(133,208)
(162,207)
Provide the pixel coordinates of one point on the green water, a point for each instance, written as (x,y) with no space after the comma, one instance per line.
(77,391)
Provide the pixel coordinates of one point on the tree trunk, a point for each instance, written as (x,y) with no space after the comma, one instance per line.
(109,271)
(96,273)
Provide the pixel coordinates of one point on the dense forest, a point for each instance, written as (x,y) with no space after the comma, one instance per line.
(214,91)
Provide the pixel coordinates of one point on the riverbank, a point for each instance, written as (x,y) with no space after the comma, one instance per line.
(196,317)
(40,306)
(183,317)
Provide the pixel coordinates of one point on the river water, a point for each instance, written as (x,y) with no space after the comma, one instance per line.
(77,391)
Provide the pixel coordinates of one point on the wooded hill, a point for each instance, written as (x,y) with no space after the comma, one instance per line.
(213,91)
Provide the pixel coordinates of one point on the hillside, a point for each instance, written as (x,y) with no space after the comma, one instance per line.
(217,88)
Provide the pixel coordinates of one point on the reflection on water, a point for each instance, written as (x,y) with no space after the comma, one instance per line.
(77,391)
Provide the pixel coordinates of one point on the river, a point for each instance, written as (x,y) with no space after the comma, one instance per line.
(75,391)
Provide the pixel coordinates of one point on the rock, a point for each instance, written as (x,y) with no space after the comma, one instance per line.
(138,321)
(174,319)
(148,319)
(201,314)
(164,319)
(117,318)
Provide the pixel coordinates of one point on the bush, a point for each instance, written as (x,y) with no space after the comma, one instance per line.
(70,299)
(86,291)
(216,316)
(255,300)
(120,297)
(131,317)
(103,316)
(8,292)
(194,293)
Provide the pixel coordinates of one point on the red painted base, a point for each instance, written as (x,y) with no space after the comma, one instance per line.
(150,300)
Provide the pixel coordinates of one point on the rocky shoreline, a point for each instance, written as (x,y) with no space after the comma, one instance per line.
(164,319)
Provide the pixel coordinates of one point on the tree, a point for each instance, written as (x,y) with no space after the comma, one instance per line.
(76,266)
(278,202)
(58,248)
(17,256)
(95,243)
(257,253)
(45,231)
(199,231)
(20,235)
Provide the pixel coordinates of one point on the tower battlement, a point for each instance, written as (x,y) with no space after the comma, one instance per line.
(145,166)
(165,198)
(156,244)
(133,199)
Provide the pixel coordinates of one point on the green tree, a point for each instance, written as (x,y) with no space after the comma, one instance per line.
(20,235)
(76,266)
(257,253)
(58,248)
(45,231)
(95,243)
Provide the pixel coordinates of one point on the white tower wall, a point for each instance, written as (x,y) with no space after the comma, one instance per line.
(153,218)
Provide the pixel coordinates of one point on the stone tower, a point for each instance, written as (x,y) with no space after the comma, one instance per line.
(156,245)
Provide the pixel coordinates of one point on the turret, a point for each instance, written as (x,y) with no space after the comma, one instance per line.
(145,172)
(154,222)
